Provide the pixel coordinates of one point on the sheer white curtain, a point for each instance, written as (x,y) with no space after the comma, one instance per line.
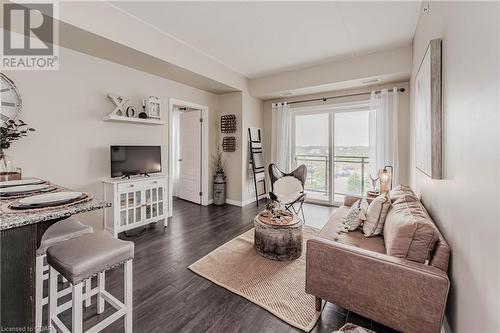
(281,141)
(384,110)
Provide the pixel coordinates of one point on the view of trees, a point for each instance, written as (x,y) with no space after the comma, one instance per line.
(348,168)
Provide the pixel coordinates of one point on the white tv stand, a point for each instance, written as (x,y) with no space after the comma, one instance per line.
(136,202)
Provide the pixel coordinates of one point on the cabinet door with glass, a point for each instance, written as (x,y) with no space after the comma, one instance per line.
(155,202)
(131,207)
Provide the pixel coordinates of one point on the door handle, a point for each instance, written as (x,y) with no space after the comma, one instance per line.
(179,160)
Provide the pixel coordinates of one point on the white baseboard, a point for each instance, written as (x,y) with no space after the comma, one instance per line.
(243,203)
(250,201)
(210,201)
(234,202)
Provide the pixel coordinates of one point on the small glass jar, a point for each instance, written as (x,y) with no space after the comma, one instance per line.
(8,171)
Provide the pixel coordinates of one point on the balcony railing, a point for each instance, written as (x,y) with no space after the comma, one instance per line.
(350,177)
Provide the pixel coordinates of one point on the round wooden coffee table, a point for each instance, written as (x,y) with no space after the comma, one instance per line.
(278,241)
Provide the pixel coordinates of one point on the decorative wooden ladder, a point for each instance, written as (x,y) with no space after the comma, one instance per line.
(257,162)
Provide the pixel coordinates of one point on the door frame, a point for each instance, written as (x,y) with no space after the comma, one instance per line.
(172,102)
(331,110)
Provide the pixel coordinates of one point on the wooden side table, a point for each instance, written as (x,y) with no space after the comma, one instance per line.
(279,242)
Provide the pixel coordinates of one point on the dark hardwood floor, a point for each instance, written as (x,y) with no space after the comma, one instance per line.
(170,298)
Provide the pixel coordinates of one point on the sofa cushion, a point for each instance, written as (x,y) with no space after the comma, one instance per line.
(400,191)
(376,214)
(409,233)
(332,231)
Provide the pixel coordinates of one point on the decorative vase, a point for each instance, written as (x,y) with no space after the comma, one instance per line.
(7,169)
(219,189)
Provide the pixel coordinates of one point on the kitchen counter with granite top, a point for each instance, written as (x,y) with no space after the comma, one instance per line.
(23,217)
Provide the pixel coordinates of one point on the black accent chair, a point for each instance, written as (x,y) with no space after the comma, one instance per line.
(288,188)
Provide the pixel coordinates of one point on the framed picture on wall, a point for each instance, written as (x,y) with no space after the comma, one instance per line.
(153,107)
(428,113)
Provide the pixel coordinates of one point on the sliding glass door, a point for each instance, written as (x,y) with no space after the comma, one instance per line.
(333,143)
(352,147)
(313,149)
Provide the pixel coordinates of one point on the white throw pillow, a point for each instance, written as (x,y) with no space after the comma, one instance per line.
(376,214)
(356,215)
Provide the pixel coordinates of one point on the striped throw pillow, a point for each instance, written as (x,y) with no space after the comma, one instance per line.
(376,214)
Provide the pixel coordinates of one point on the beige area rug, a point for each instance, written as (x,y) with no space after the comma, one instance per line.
(277,286)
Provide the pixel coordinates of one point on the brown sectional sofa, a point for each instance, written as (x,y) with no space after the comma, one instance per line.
(406,291)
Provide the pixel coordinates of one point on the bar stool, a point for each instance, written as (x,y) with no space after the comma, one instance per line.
(58,232)
(81,258)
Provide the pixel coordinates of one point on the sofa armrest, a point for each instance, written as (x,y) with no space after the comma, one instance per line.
(404,295)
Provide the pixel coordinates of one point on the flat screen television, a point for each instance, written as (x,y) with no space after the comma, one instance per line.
(135,160)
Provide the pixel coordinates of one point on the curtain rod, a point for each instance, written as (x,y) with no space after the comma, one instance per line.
(324,99)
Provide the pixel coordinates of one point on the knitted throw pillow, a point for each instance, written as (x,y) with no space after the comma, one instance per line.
(356,215)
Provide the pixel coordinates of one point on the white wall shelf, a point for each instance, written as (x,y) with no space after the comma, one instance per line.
(146,121)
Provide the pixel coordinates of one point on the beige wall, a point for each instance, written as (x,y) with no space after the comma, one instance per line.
(465,204)
(404,119)
(248,111)
(232,103)
(71,144)
(252,117)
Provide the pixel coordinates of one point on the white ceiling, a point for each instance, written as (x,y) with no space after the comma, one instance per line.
(262,38)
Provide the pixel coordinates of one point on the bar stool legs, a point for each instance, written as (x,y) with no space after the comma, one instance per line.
(76,309)
(101,285)
(42,274)
(52,295)
(88,286)
(79,299)
(128,290)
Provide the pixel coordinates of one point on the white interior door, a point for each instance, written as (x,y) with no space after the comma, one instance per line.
(190,156)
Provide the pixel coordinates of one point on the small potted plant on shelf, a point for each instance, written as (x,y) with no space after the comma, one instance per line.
(11,131)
